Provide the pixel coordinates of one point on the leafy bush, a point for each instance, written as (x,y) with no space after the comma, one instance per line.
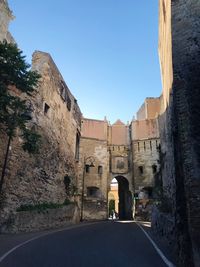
(43,206)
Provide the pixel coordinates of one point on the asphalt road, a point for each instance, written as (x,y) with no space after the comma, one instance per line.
(105,244)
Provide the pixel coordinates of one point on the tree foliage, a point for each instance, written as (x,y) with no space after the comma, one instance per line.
(16,78)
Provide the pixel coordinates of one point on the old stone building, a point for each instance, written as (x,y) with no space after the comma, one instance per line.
(94,169)
(51,175)
(145,144)
(179,127)
(81,157)
(129,153)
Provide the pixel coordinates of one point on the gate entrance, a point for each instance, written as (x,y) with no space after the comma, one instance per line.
(121,198)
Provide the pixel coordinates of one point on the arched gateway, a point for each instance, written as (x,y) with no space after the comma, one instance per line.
(120,198)
(108,152)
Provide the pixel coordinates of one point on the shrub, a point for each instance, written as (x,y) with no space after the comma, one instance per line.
(43,206)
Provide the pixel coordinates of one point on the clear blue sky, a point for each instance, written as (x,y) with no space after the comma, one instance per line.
(106,50)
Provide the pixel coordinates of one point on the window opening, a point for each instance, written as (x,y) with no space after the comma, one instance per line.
(87,168)
(141,169)
(100,169)
(46,108)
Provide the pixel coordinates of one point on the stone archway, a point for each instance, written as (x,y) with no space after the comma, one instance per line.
(125,199)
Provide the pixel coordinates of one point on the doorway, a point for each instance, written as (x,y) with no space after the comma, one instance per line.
(120,198)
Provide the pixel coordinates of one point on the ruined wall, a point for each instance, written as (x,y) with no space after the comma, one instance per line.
(180,126)
(56,116)
(5,18)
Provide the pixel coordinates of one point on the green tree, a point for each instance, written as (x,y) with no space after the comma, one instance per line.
(16,76)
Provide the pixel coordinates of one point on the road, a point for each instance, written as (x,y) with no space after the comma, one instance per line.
(104,244)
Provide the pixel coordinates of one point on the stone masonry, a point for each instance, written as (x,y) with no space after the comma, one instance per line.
(115,151)
(95,178)
(179,48)
(57,117)
(5,18)
(145,144)
(163,142)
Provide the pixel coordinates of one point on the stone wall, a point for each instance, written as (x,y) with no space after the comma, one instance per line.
(163,224)
(5,18)
(145,162)
(126,149)
(150,109)
(145,151)
(144,129)
(95,178)
(180,126)
(186,98)
(141,113)
(110,148)
(119,159)
(153,107)
(95,209)
(56,116)
(30,221)
(165,49)
(167,169)
(119,134)
(94,129)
